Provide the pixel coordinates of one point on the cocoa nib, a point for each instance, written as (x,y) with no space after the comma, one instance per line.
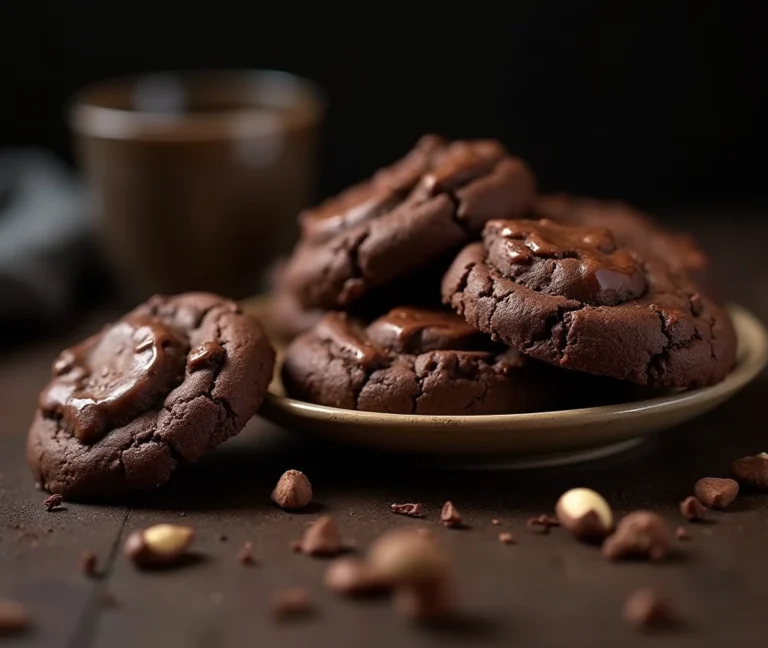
(409,509)
(542,523)
(53,502)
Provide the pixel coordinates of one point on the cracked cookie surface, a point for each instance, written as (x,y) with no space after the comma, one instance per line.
(574,297)
(157,389)
(413,361)
(405,218)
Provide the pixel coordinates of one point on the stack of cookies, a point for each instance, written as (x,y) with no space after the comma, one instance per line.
(445,284)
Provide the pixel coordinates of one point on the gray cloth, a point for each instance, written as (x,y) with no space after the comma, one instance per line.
(46,233)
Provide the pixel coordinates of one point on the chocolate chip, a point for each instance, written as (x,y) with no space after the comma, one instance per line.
(645,609)
(715,492)
(352,577)
(450,515)
(541,523)
(245,555)
(322,538)
(53,501)
(752,471)
(411,510)
(507,538)
(682,534)
(14,618)
(292,603)
(692,509)
(642,534)
(89,563)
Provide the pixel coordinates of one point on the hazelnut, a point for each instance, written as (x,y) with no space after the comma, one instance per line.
(585,514)
(418,569)
(642,534)
(752,471)
(692,509)
(351,577)
(293,491)
(53,501)
(162,544)
(322,538)
(716,493)
(14,618)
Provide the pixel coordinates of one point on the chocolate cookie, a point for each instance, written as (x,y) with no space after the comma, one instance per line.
(412,361)
(631,228)
(157,389)
(408,216)
(573,297)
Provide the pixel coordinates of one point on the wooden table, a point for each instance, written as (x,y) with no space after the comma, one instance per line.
(547,590)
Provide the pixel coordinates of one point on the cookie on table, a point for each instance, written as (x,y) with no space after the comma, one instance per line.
(631,228)
(412,361)
(410,215)
(157,389)
(574,297)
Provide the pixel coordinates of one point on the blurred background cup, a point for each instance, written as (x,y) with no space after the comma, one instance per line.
(198,177)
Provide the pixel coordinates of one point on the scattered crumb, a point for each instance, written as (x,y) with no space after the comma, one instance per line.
(223,537)
(89,563)
(450,516)
(542,523)
(682,534)
(245,555)
(645,609)
(289,604)
(495,522)
(507,538)
(14,617)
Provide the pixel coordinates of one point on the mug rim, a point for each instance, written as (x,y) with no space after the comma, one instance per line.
(87,117)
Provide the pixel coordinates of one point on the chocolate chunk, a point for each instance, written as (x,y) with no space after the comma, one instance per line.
(642,534)
(645,609)
(322,538)
(716,493)
(208,354)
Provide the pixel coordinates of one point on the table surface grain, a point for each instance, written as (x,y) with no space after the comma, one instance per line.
(547,590)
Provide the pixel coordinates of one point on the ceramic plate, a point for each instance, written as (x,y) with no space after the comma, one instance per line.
(588,432)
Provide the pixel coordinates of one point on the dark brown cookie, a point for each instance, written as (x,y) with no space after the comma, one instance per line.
(572,297)
(157,389)
(412,361)
(407,217)
(631,228)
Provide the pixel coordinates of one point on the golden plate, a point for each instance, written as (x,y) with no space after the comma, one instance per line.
(589,432)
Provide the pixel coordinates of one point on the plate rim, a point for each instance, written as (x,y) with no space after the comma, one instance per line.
(751,360)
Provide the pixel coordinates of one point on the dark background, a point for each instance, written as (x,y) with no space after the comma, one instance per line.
(657,104)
